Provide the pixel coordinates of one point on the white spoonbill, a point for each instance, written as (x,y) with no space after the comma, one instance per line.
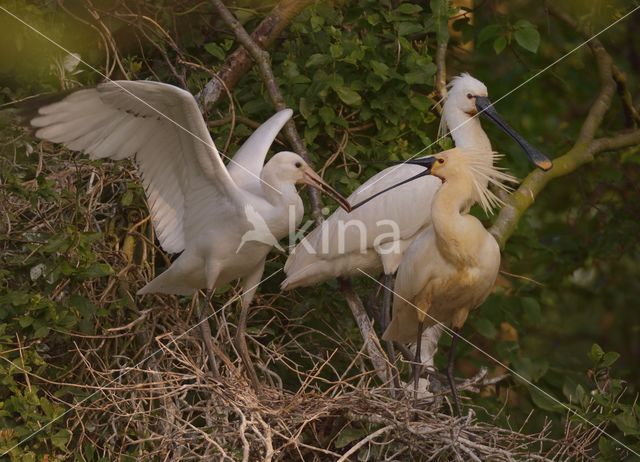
(197,205)
(375,236)
(451,266)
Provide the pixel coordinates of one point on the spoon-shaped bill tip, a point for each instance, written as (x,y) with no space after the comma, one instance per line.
(486,109)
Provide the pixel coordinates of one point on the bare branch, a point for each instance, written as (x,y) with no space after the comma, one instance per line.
(239,62)
(583,150)
(369,336)
(263,60)
(619,141)
(442,35)
(602,103)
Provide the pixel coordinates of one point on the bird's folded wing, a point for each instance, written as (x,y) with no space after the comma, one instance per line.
(161,126)
(247,163)
(396,214)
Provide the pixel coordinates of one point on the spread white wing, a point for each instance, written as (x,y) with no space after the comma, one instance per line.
(161,126)
(247,163)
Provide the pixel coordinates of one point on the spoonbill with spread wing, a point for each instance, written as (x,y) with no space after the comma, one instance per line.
(197,205)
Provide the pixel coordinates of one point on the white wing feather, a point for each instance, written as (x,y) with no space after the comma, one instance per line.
(334,249)
(247,163)
(162,127)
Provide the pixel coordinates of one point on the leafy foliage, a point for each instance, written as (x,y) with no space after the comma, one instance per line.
(360,78)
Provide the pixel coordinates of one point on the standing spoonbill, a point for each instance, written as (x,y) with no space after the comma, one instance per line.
(375,236)
(450,267)
(197,205)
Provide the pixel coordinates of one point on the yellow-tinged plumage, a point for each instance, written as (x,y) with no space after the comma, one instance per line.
(451,266)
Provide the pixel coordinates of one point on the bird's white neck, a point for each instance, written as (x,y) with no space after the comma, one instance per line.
(276,191)
(466,130)
(455,230)
(285,205)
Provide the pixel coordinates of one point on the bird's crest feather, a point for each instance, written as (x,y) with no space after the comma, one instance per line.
(486,174)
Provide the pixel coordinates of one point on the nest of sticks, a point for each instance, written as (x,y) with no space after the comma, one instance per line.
(140,382)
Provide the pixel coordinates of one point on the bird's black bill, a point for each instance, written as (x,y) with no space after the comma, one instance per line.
(485,108)
(426,162)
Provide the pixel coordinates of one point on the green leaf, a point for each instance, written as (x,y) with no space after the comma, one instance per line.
(348,96)
(41,331)
(531,309)
(544,401)
(127,198)
(627,423)
(485,327)
(316,23)
(379,68)
(336,51)
(407,28)
(422,77)
(318,59)
(608,449)
(349,435)
(523,24)
(327,115)
(409,8)
(61,438)
(305,108)
(609,358)
(18,298)
(25,321)
(596,353)
(529,369)
(528,38)
(96,270)
(489,33)
(215,50)
(500,44)
(82,304)
(373,19)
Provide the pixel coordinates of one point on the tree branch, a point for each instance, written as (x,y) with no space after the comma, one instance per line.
(239,62)
(619,141)
(442,36)
(263,60)
(583,150)
(369,336)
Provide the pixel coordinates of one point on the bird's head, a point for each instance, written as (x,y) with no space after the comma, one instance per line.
(469,96)
(290,167)
(445,166)
(462,94)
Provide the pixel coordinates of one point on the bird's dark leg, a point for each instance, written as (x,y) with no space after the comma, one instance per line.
(205,331)
(241,345)
(386,319)
(452,384)
(417,366)
(387,295)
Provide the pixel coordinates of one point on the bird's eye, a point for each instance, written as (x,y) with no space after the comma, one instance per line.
(441,161)
(298,164)
(469,95)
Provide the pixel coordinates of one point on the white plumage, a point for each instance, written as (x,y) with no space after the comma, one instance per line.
(197,205)
(451,266)
(334,249)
